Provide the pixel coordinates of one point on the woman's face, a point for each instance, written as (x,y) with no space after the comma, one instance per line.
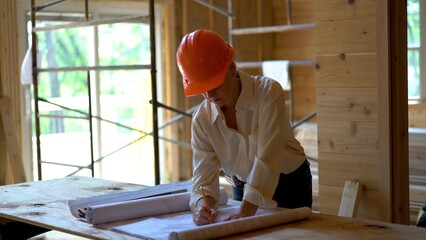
(222,95)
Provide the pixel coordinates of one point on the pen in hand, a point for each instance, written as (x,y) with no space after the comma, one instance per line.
(206,204)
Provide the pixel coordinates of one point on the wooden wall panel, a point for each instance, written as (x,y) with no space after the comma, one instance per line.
(304,91)
(297,45)
(302,11)
(348,137)
(338,9)
(253,47)
(331,197)
(349,104)
(334,170)
(347,71)
(356,35)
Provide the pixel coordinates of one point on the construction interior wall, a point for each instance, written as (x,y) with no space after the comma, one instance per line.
(347,103)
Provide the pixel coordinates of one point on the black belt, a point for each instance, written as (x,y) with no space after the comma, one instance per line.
(238,183)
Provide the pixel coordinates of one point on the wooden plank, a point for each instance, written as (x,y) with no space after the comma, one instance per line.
(350,199)
(14,152)
(328,10)
(336,168)
(351,104)
(346,36)
(347,70)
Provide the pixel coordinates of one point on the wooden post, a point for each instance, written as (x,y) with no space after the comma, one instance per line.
(12,143)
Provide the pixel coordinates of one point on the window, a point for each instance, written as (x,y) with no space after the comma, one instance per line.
(123,152)
(416,58)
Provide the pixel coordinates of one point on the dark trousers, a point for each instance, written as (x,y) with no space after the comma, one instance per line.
(294,190)
(19,231)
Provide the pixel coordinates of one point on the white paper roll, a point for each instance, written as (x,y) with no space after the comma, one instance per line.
(222,229)
(111,212)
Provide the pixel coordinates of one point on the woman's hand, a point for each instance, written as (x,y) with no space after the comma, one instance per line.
(247,209)
(203,215)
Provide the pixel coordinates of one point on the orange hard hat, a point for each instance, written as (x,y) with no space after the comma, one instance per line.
(203,58)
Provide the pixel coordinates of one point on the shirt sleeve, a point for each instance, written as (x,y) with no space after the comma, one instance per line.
(206,166)
(263,179)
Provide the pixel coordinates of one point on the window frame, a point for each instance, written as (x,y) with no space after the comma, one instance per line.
(422,53)
(422,83)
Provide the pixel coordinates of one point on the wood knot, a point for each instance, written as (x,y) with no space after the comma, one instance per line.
(317,66)
(367,110)
(36,213)
(351,1)
(354,128)
(342,56)
(351,105)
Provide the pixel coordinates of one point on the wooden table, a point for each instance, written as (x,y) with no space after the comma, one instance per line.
(44,204)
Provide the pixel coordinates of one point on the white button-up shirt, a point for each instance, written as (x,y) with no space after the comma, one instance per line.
(263,147)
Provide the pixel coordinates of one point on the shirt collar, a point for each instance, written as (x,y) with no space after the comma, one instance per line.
(245,100)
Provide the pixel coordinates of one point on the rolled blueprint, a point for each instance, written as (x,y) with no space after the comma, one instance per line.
(118,211)
(222,229)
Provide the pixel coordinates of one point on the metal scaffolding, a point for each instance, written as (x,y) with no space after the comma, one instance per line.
(88,115)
